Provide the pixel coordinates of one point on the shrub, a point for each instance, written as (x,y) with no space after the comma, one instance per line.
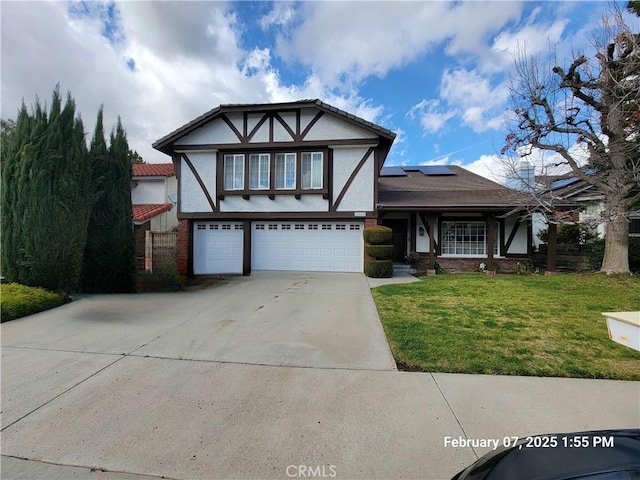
(379,268)
(20,300)
(595,252)
(378,235)
(380,252)
(570,234)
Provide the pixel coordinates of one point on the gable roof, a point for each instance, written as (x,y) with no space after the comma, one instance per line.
(153,170)
(164,143)
(462,190)
(144,212)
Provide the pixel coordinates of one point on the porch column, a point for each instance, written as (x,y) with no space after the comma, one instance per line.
(551,248)
(432,243)
(491,234)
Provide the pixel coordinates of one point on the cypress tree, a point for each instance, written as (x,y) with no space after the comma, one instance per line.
(46,198)
(109,263)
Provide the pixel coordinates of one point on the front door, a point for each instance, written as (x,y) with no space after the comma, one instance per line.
(399,227)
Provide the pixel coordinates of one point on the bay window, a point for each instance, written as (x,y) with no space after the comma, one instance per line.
(466,239)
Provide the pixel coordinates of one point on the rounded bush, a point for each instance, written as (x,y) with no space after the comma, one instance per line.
(379,252)
(378,235)
(379,268)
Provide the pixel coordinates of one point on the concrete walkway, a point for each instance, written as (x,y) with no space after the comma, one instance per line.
(142,386)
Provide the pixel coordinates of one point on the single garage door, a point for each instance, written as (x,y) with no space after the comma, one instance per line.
(313,246)
(217,247)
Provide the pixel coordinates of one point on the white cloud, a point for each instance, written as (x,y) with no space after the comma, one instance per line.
(282,14)
(432,117)
(349,41)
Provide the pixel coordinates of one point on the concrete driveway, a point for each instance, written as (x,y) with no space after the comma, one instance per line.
(277,375)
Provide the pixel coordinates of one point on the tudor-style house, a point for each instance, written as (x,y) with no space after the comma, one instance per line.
(291,186)
(286,186)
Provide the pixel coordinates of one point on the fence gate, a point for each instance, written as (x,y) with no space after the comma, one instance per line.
(160,251)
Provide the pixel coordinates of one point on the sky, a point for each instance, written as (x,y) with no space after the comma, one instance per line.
(436,73)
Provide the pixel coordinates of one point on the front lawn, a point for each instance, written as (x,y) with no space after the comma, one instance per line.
(19,300)
(510,324)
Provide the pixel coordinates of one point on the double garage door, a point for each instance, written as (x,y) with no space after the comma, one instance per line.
(315,246)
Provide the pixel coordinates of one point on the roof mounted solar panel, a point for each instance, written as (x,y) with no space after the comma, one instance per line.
(563,183)
(436,170)
(392,172)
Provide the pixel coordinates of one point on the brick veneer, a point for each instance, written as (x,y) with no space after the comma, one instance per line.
(182,248)
(457,265)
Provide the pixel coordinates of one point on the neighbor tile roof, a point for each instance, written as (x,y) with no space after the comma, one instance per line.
(144,212)
(463,190)
(153,170)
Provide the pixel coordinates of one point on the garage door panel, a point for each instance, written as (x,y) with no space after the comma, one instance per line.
(217,247)
(311,246)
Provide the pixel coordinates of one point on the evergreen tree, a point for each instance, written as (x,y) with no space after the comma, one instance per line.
(46,197)
(109,264)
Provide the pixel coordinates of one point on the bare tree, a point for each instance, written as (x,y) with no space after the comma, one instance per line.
(585,118)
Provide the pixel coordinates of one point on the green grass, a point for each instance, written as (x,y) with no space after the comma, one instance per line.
(19,300)
(547,326)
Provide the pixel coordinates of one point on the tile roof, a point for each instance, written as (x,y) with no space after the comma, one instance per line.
(153,170)
(463,190)
(144,212)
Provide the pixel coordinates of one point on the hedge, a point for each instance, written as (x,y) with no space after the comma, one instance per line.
(19,300)
(378,235)
(379,252)
(378,268)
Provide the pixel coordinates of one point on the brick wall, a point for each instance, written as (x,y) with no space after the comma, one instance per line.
(182,248)
(460,265)
(370,222)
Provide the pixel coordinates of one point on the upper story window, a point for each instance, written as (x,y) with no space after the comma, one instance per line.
(285,170)
(259,171)
(234,172)
(311,170)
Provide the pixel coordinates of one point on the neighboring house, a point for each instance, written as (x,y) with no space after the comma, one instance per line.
(291,186)
(153,197)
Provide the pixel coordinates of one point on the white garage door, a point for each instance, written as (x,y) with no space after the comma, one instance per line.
(307,246)
(217,247)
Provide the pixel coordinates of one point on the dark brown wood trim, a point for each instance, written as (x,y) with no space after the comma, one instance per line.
(313,121)
(255,129)
(298,116)
(512,235)
(491,231)
(176,159)
(430,226)
(330,180)
(204,188)
(276,145)
(271,128)
(353,175)
(294,137)
(246,248)
(375,181)
(232,127)
(245,125)
(412,232)
(190,273)
(274,216)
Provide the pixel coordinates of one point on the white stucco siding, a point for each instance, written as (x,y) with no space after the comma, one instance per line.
(216,131)
(280,134)
(359,195)
(149,191)
(290,119)
(519,243)
(261,203)
(262,134)
(306,115)
(329,127)
(422,242)
(345,160)
(192,197)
